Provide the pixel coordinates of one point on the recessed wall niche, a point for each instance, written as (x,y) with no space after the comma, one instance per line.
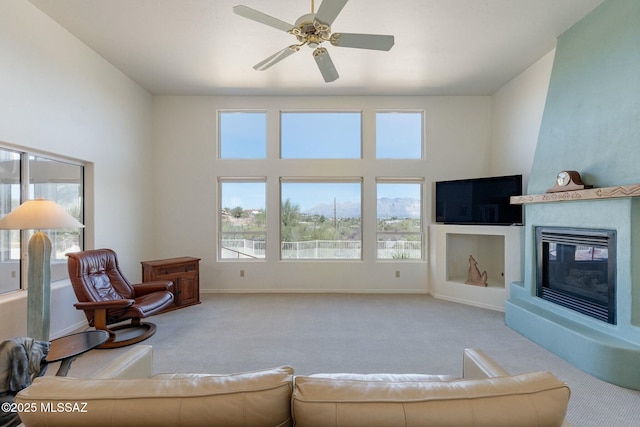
(487,250)
(497,250)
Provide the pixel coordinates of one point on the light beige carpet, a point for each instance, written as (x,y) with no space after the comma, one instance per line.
(359,333)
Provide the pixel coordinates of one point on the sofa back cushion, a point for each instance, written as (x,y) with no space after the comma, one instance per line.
(533,399)
(260,398)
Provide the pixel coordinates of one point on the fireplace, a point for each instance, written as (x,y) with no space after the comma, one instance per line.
(593,243)
(576,268)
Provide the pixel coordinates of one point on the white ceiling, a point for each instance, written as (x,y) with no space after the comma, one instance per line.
(200,47)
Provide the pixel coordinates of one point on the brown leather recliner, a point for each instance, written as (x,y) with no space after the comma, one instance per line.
(107,297)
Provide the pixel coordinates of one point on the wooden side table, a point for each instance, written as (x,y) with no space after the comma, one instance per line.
(69,347)
(184,272)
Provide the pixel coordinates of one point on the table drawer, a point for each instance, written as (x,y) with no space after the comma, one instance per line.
(175,269)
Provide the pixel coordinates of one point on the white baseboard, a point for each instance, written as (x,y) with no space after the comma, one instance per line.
(468,302)
(76,327)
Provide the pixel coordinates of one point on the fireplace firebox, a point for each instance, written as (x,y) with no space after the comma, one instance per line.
(576,268)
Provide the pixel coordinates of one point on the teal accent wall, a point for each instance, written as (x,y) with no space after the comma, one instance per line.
(591,120)
(591,123)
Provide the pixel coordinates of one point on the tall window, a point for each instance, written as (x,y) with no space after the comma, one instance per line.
(399,219)
(243,219)
(321,135)
(243,134)
(323,167)
(25,176)
(10,198)
(399,135)
(321,220)
(63,183)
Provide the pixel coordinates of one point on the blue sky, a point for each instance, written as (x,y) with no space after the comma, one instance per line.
(248,195)
(307,195)
(398,135)
(243,135)
(320,135)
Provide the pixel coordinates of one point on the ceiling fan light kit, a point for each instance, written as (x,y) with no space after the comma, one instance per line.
(313,29)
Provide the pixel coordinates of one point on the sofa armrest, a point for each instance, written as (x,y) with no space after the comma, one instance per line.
(477,365)
(136,362)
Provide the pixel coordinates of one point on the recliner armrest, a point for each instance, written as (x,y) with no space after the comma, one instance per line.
(97,305)
(149,287)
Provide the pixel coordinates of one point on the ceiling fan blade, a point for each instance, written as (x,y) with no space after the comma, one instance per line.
(262,18)
(276,57)
(329,10)
(325,64)
(362,41)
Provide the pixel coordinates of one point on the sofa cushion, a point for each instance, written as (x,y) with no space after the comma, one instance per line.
(387,377)
(534,399)
(260,398)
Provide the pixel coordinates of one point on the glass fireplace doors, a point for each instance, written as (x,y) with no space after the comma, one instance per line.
(576,269)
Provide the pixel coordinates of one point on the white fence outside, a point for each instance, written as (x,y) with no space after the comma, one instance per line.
(243,248)
(399,249)
(321,249)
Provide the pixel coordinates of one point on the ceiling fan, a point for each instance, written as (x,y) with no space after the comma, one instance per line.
(312,30)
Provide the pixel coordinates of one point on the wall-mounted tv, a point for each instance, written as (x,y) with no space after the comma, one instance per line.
(479,201)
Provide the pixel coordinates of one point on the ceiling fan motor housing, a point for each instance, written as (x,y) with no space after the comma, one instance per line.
(311,32)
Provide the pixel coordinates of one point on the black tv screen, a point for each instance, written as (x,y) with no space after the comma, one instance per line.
(479,201)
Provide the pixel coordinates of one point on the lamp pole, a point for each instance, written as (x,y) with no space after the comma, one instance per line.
(39,293)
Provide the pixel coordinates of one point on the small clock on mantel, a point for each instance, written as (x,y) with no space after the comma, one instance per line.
(568,181)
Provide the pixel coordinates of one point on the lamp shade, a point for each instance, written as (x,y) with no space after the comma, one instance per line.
(38,214)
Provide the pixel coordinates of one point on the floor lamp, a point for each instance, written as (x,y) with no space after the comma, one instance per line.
(39,214)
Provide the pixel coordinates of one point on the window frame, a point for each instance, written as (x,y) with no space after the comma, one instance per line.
(323,169)
(421,234)
(322,180)
(422,133)
(27,192)
(221,233)
(58,265)
(8,257)
(219,115)
(321,111)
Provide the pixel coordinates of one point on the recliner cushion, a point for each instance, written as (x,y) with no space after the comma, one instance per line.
(102,287)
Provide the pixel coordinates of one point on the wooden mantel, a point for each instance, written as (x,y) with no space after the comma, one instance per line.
(589,194)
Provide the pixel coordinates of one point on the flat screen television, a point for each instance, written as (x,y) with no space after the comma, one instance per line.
(479,201)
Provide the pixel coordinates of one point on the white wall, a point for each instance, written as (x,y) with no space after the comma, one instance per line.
(516,114)
(58,96)
(186,171)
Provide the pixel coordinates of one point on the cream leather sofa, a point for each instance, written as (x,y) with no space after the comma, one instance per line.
(125,393)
